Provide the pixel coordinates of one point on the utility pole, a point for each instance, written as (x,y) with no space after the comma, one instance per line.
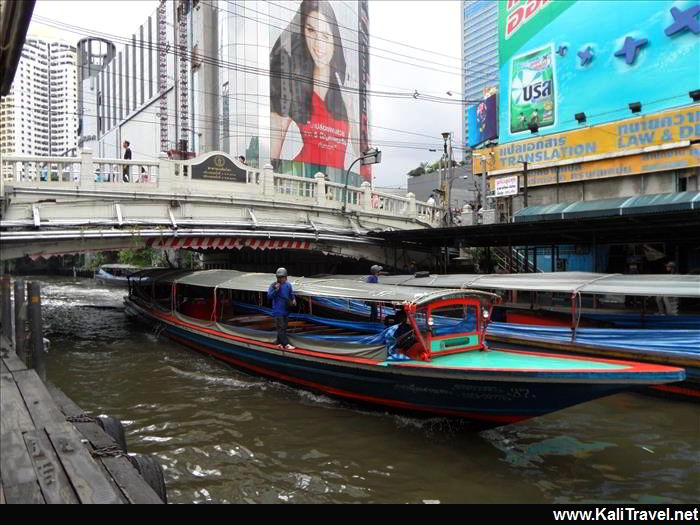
(525,184)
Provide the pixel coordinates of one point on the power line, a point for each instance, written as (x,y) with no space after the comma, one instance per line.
(244,68)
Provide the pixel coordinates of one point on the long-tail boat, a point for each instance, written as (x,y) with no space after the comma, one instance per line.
(434,360)
(636,335)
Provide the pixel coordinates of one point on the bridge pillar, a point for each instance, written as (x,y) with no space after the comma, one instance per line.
(411,208)
(320,189)
(367,197)
(87,169)
(268,181)
(166,173)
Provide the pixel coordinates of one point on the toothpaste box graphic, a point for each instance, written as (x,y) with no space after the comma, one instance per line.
(532,90)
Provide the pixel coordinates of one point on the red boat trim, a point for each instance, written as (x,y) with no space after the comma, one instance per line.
(345,393)
(680,390)
(631,366)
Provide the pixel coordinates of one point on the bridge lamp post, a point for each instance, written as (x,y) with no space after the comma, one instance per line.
(371,156)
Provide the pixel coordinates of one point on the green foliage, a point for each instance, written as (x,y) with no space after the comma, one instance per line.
(140,257)
(98,260)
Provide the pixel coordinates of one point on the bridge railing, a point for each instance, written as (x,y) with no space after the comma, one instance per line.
(174,176)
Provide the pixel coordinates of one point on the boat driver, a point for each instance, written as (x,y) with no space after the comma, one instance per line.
(374,278)
(281,294)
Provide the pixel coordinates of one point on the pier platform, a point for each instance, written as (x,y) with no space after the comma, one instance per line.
(51,452)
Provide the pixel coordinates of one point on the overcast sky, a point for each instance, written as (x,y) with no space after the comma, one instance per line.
(430,25)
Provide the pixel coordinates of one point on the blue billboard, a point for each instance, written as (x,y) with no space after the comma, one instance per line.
(483,121)
(567,57)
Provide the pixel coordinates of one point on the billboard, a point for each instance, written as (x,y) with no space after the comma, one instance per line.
(483,121)
(319,75)
(564,57)
(622,138)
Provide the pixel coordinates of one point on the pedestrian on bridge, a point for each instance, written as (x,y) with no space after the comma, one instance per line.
(127,156)
(281,294)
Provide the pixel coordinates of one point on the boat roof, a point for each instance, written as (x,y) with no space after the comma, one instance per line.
(118,266)
(568,282)
(310,286)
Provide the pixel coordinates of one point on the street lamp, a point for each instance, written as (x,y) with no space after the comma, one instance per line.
(371,156)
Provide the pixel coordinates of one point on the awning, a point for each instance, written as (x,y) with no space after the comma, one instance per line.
(567,282)
(659,203)
(306,286)
(227,243)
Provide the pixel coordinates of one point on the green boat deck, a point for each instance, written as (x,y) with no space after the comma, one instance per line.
(497,359)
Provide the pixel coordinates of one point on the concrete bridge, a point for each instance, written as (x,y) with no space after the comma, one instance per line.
(56,205)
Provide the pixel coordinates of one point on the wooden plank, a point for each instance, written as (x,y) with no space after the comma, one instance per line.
(37,398)
(53,481)
(126,477)
(18,477)
(88,479)
(26,493)
(13,363)
(63,402)
(130,482)
(13,412)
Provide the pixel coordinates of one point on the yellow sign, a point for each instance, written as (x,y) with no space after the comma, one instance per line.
(604,140)
(661,160)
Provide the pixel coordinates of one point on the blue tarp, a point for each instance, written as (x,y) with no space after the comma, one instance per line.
(649,321)
(679,343)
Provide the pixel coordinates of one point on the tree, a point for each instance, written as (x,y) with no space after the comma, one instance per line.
(137,257)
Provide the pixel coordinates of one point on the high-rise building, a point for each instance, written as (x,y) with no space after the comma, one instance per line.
(479,53)
(39,115)
(208,75)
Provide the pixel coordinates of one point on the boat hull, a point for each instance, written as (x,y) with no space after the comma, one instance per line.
(490,397)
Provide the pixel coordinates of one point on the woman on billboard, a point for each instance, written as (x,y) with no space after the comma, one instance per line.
(307,69)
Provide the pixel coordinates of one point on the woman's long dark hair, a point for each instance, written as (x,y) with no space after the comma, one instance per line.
(292,70)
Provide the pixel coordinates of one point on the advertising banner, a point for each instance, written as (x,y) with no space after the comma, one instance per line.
(319,106)
(663,160)
(558,58)
(618,138)
(483,121)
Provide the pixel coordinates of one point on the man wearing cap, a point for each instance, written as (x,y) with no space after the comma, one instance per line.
(668,305)
(281,294)
(373,279)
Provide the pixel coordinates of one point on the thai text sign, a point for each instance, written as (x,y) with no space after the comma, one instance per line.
(655,161)
(218,168)
(506,186)
(606,139)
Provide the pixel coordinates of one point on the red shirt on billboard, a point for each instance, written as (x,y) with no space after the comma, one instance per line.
(325,138)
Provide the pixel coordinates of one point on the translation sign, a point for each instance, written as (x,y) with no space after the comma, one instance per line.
(506,186)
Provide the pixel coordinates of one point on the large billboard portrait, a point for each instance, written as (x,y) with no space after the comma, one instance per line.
(318,88)
(560,58)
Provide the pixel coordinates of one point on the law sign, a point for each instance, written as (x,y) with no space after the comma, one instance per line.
(506,186)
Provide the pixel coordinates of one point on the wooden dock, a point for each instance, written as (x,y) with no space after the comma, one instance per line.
(46,458)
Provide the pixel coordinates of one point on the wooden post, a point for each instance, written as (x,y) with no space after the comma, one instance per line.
(20,318)
(37,337)
(6,307)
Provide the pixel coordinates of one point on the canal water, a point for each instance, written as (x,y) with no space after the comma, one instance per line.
(227,437)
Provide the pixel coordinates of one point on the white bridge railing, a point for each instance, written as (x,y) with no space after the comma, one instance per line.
(86,174)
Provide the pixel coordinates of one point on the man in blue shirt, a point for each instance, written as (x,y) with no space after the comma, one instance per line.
(374,278)
(281,294)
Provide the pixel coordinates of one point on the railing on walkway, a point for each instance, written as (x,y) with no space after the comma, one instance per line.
(172,177)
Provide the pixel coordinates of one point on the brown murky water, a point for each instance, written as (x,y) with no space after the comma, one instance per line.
(225,436)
